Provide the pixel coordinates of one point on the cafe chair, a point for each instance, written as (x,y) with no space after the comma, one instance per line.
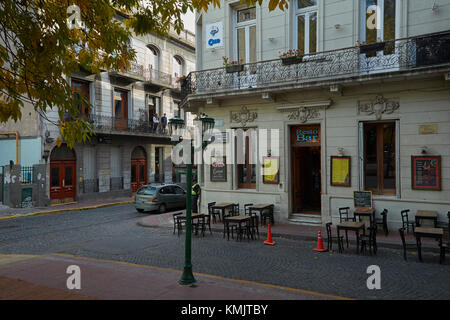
(406,245)
(178,223)
(344,215)
(213,213)
(247,208)
(205,222)
(268,214)
(331,238)
(405,221)
(383,221)
(369,240)
(252,226)
(236,210)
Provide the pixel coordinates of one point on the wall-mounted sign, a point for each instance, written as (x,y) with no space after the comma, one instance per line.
(428,128)
(305,135)
(218,169)
(426,172)
(271,170)
(340,171)
(362,199)
(214,35)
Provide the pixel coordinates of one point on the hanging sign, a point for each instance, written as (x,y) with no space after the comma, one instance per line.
(214,35)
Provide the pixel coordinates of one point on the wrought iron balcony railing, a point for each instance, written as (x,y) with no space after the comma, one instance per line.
(155,76)
(105,124)
(387,57)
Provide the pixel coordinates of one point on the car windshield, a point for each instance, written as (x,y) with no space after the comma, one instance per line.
(147,190)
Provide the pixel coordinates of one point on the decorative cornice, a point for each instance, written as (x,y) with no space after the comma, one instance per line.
(244,116)
(378,107)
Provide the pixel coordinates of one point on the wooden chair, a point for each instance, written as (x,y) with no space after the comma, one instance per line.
(406,245)
(213,213)
(405,221)
(178,222)
(383,221)
(253,228)
(236,210)
(369,240)
(344,215)
(247,208)
(330,238)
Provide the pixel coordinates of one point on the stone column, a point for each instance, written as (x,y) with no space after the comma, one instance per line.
(167,164)
(39,177)
(126,166)
(103,156)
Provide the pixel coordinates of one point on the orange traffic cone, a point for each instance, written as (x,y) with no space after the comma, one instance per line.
(269,236)
(320,247)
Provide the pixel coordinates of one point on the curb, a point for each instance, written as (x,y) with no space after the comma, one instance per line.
(300,237)
(65,210)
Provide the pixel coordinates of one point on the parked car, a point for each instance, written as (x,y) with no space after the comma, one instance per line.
(160,197)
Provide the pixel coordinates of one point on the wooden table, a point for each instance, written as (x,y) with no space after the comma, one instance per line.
(423,214)
(351,226)
(423,232)
(222,207)
(367,213)
(260,208)
(239,220)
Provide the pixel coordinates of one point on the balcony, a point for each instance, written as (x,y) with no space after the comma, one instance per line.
(134,74)
(104,125)
(155,80)
(404,57)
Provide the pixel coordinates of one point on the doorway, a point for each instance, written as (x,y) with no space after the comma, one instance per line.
(306,169)
(62,175)
(138,169)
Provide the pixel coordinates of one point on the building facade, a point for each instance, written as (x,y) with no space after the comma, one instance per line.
(364,106)
(128,148)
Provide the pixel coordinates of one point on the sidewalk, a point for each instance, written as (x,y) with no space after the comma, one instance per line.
(7,212)
(299,232)
(45,278)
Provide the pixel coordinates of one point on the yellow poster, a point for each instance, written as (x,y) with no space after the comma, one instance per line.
(340,171)
(270,170)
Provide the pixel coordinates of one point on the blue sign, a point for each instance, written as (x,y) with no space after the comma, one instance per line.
(311,135)
(212,42)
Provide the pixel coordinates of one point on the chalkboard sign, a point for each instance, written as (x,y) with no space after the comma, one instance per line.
(218,169)
(362,199)
(426,172)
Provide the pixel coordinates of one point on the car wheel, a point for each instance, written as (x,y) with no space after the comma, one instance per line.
(140,210)
(162,208)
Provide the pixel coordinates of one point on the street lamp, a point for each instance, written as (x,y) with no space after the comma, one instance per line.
(177,128)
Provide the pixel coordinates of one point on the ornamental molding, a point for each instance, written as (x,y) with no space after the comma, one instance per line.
(244,116)
(378,107)
(305,111)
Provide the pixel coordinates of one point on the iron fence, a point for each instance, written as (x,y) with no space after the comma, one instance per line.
(90,185)
(385,57)
(152,75)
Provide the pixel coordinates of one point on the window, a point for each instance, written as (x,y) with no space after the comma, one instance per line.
(120,104)
(378,22)
(178,67)
(380,157)
(80,90)
(245,33)
(246,158)
(306,26)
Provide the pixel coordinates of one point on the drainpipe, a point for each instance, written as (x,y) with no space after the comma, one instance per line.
(17,143)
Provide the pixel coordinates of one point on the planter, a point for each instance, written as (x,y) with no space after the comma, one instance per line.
(371,48)
(291,60)
(234,68)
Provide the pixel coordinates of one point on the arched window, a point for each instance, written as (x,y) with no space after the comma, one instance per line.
(178,66)
(153,57)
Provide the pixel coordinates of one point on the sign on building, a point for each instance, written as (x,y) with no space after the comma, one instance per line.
(214,35)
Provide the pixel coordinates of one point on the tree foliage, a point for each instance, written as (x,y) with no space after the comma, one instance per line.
(39,50)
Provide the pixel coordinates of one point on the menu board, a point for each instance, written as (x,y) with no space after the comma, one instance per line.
(362,199)
(340,171)
(426,172)
(218,169)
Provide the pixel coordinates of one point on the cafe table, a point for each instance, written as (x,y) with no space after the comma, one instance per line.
(259,208)
(222,207)
(424,232)
(426,214)
(351,226)
(236,219)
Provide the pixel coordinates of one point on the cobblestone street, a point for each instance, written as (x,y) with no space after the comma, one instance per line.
(113,234)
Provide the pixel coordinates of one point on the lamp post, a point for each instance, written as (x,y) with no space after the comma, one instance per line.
(177,127)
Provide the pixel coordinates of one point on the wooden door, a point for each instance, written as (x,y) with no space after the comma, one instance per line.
(120,109)
(138,173)
(62,180)
(297,190)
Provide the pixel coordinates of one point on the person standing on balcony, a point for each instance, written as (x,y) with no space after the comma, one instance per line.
(155,122)
(163,123)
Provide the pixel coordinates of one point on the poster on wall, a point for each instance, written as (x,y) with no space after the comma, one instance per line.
(426,172)
(340,171)
(270,174)
(218,169)
(214,35)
